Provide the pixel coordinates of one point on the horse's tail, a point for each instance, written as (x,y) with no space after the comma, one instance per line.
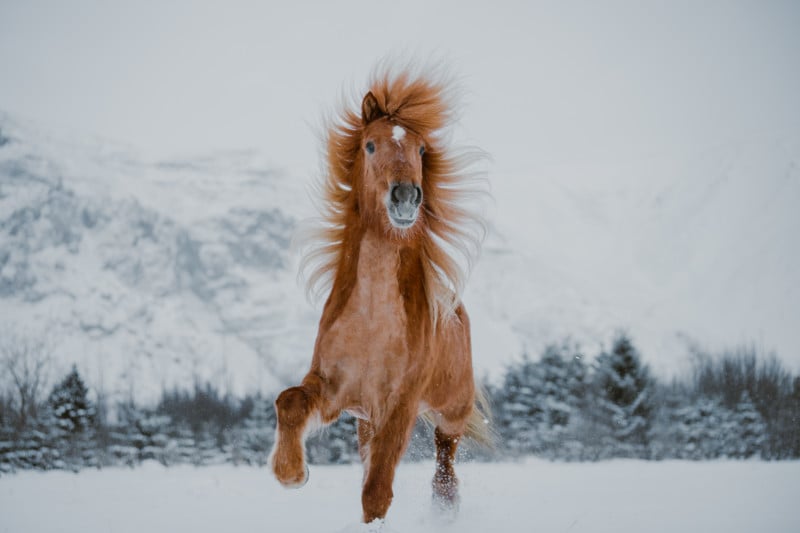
(479,423)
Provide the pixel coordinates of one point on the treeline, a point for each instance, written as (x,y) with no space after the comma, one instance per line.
(68,430)
(559,406)
(735,405)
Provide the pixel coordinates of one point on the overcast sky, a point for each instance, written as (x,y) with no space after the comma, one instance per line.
(546,82)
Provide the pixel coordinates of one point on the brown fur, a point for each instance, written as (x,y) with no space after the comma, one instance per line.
(394,338)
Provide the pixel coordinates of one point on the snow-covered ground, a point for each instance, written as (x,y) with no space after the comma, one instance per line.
(618,496)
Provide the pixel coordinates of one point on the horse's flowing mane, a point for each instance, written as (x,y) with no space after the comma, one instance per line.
(453,228)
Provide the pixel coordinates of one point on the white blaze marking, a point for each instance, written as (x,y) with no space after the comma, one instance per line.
(398,133)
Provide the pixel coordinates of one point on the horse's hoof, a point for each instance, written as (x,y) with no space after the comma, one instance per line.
(295,482)
(446,506)
(444,511)
(376,526)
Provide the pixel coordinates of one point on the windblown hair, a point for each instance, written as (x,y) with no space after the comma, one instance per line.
(453,188)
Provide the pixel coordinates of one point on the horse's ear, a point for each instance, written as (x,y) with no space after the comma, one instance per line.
(370,110)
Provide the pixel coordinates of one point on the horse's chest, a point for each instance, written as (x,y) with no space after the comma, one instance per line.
(373,320)
(375,311)
(364,355)
(368,341)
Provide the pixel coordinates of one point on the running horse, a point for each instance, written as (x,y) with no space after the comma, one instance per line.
(394,338)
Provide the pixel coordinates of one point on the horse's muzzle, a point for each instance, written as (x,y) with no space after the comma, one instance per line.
(403,204)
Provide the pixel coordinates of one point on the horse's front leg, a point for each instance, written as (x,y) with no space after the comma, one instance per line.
(381,455)
(299,410)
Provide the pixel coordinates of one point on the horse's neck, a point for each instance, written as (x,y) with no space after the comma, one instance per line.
(376,278)
(378,258)
(389,276)
(378,263)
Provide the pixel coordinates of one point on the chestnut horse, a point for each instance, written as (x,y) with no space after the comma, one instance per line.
(394,338)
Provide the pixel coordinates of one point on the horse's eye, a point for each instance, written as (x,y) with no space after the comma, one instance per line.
(421,150)
(370,147)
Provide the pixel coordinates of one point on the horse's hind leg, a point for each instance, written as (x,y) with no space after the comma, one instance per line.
(445,483)
(298,409)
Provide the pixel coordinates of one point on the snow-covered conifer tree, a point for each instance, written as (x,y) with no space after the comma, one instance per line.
(750,431)
(518,410)
(70,405)
(73,416)
(623,392)
(561,376)
(702,430)
(252,442)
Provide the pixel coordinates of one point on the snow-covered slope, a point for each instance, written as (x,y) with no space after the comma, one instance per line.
(150,274)
(157,273)
(700,246)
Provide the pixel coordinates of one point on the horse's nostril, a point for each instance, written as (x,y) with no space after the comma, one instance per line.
(404,193)
(417,195)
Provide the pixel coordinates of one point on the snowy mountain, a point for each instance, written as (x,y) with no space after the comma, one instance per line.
(698,247)
(154,273)
(149,274)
